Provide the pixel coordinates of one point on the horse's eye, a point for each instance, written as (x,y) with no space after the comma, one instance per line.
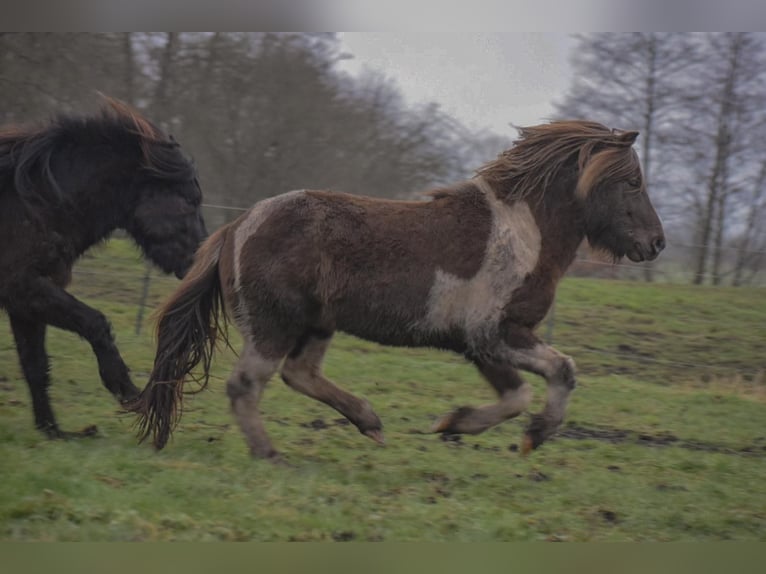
(634,182)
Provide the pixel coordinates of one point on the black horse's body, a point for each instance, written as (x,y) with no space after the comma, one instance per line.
(65,187)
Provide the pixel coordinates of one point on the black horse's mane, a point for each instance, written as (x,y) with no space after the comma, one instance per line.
(27,153)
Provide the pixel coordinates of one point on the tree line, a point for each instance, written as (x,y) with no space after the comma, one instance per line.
(261,113)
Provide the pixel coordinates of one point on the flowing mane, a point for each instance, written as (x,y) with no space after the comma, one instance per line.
(27,153)
(541,151)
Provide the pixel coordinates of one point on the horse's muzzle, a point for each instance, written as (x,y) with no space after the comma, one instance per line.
(646,251)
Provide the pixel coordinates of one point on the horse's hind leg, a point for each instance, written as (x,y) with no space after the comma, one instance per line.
(514,394)
(30,344)
(302,372)
(245,388)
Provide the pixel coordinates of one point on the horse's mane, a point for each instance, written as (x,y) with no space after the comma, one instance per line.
(541,151)
(26,152)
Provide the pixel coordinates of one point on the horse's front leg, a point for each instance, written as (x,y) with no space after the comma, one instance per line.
(514,396)
(48,303)
(527,352)
(29,336)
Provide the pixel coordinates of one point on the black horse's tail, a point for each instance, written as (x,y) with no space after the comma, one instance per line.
(188,328)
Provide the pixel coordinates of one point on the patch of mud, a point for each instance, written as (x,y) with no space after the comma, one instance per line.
(576,431)
(617,436)
(321,424)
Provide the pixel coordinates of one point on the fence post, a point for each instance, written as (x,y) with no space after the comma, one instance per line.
(144,297)
(550,323)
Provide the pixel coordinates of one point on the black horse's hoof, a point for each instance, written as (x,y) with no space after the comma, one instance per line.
(89,431)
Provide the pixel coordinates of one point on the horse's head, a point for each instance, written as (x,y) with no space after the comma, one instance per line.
(619,217)
(167,221)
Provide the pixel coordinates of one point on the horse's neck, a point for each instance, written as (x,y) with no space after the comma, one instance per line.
(562,219)
(559,225)
(86,222)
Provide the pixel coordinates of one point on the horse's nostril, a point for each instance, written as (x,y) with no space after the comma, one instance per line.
(658,244)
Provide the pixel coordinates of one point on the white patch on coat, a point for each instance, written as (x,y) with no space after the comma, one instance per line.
(259,213)
(475,305)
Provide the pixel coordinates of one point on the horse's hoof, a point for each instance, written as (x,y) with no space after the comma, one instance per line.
(527,445)
(277,459)
(443,424)
(90,430)
(456,422)
(376,435)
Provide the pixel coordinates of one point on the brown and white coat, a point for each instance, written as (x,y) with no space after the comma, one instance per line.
(474,270)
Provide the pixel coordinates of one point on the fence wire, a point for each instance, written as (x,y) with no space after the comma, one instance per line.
(149,276)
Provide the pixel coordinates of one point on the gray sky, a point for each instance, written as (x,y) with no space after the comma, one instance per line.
(486,80)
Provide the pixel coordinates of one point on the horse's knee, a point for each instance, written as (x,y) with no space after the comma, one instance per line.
(241,385)
(565,372)
(98,330)
(518,400)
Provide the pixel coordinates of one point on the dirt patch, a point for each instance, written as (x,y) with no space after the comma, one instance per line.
(343,536)
(609,515)
(617,436)
(321,424)
(576,431)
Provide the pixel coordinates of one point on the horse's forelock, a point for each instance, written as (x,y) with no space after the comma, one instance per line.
(612,163)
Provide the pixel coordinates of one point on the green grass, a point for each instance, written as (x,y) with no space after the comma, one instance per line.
(654,361)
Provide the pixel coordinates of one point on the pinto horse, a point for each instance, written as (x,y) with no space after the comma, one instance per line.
(473,270)
(65,187)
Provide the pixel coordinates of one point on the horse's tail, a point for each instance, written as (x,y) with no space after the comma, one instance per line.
(188,327)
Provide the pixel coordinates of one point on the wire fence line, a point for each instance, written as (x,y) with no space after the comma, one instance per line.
(672,243)
(146,276)
(149,277)
(607,264)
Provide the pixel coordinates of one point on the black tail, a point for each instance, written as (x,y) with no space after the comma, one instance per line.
(189,325)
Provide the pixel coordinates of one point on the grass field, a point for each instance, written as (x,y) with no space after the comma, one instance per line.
(665,437)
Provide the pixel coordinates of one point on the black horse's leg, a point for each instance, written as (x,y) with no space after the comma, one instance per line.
(514,396)
(48,303)
(30,344)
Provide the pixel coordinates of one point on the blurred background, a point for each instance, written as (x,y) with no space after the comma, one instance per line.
(392,114)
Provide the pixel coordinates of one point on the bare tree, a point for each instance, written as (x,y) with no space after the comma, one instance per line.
(629,81)
(726,115)
(749,249)
(699,101)
(262,113)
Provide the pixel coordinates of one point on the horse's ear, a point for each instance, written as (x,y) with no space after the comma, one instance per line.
(627,138)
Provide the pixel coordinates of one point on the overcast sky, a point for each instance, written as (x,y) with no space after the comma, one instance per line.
(486,80)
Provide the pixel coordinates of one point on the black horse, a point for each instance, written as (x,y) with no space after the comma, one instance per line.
(65,187)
